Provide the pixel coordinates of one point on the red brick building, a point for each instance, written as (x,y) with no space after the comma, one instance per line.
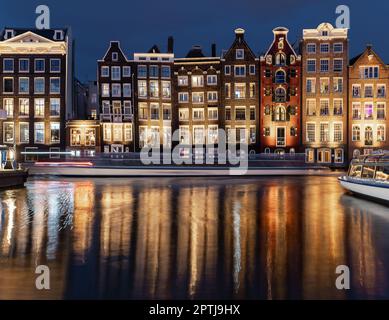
(280,96)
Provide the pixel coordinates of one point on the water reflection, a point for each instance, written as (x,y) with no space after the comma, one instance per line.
(271,238)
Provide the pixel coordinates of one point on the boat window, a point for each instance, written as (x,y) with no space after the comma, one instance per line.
(368,172)
(355,171)
(382,173)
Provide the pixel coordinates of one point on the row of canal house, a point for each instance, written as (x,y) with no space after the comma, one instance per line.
(307,98)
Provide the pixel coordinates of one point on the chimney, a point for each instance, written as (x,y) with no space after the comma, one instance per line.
(369,46)
(170,44)
(213,50)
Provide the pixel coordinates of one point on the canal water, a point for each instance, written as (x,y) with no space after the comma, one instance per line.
(181,238)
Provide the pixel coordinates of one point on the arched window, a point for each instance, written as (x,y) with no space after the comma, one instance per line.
(280,59)
(280,114)
(280,76)
(280,95)
(368,136)
(267,150)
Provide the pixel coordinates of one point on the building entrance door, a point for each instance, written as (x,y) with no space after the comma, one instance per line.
(281,136)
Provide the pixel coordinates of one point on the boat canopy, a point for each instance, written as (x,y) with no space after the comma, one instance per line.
(372,159)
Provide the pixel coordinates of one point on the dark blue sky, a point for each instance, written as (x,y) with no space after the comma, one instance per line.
(140,24)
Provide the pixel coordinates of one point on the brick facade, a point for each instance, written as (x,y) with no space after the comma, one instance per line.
(368,104)
(280,123)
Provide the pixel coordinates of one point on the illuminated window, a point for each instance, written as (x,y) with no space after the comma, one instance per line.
(8,132)
(39,132)
(381,133)
(311,132)
(338,132)
(142,88)
(24,107)
(356,133)
(311,85)
(311,107)
(55,107)
(24,132)
(105,89)
(197,81)
(54,132)
(39,107)
(8,106)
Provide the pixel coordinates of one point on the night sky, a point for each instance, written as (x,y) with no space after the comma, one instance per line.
(140,24)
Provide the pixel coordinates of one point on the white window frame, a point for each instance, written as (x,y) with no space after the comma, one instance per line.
(13,132)
(24,71)
(44,65)
(44,85)
(35,136)
(28,130)
(307,132)
(310,44)
(335,44)
(183,94)
(237,67)
(239,54)
(13,65)
(56,59)
(117,76)
(59,87)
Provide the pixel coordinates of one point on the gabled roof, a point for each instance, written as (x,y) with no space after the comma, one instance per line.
(284,31)
(112,44)
(368,51)
(239,40)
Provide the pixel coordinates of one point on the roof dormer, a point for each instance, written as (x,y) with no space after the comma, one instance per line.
(9,33)
(58,35)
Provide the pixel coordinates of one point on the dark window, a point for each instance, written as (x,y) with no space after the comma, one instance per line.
(292,110)
(240,114)
(228,114)
(293,73)
(252,113)
(267,73)
(8,85)
(280,95)
(280,76)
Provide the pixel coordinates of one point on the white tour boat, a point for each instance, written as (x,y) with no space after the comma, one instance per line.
(368,176)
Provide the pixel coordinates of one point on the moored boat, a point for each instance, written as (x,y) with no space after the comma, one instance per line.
(368,176)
